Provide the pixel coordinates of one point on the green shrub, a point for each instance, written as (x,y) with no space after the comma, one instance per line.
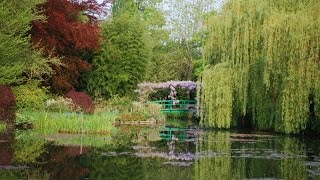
(30,97)
(115,104)
(3,126)
(23,118)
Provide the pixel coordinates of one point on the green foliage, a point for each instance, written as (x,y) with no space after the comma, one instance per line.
(30,97)
(23,119)
(121,63)
(115,104)
(170,61)
(272,48)
(217,96)
(3,126)
(16,53)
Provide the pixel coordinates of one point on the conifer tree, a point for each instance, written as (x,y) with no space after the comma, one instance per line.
(122,60)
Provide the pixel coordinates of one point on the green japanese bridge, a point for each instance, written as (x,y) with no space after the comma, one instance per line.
(179,106)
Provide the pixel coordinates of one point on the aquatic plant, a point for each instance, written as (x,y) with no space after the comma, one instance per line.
(81,101)
(7,104)
(263,65)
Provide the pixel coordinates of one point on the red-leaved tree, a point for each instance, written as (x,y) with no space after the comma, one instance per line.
(71,31)
(81,101)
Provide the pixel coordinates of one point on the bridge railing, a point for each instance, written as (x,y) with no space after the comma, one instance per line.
(176,105)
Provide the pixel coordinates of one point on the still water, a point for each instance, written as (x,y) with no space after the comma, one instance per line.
(158,153)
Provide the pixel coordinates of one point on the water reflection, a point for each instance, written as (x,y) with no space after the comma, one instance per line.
(6,151)
(222,156)
(141,153)
(213,154)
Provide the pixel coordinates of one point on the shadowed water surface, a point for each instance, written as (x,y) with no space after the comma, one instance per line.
(141,153)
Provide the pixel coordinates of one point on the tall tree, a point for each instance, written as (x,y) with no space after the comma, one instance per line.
(71,32)
(180,57)
(121,63)
(264,65)
(17,55)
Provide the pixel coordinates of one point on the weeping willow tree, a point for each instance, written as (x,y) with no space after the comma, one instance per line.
(263,65)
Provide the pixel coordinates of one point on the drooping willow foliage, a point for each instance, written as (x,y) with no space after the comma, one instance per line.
(263,65)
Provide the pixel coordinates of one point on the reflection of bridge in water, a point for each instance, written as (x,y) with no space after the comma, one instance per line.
(172,136)
(179,134)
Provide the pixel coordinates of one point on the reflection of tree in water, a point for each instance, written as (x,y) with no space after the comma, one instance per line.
(214,156)
(112,167)
(292,165)
(17,153)
(64,162)
(6,151)
(221,157)
(28,148)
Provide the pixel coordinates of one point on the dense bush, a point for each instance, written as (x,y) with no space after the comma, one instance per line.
(7,104)
(30,97)
(81,101)
(115,104)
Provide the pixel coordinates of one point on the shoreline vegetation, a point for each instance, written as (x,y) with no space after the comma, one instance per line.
(248,64)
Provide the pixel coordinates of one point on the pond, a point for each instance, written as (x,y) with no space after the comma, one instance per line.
(158,153)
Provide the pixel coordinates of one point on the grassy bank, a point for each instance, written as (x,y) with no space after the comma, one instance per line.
(53,122)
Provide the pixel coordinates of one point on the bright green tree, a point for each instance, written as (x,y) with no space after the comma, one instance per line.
(271,49)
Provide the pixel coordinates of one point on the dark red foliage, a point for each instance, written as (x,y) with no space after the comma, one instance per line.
(66,77)
(81,100)
(64,35)
(7,104)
